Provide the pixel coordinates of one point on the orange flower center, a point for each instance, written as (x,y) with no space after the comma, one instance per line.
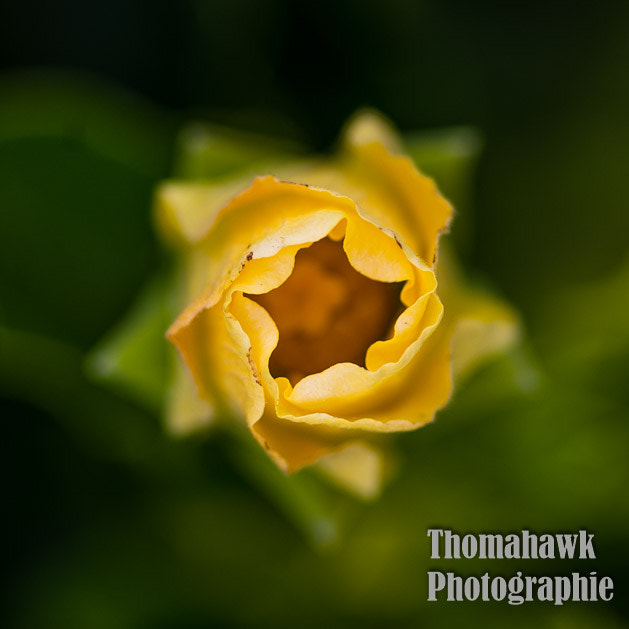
(327,312)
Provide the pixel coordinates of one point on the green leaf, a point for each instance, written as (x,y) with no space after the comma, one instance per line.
(78,164)
(319,512)
(48,374)
(101,117)
(135,357)
(205,151)
(449,156)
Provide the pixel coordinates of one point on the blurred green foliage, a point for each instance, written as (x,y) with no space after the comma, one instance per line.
(109,522)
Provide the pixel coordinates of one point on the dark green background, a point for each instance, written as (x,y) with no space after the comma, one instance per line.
(108,523)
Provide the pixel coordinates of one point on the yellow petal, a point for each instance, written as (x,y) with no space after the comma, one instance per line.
(483,332)
(385,185)
(369,127)
(353,394)
(186,211)
(218,354)
(259,222)
(399,197)
(408,328)
(374,256)
(293,446)
(481,325)
(185,410)
(389,217)
(262,334)
(296,215)
(357,468)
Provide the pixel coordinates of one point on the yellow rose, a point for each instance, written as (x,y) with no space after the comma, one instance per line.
(314,307)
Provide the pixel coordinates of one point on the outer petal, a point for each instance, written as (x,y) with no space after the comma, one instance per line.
(185,410)
(186,211)
(217,352)
(293,446)
(385,184)
(374,161)
(480,324)
(356,467)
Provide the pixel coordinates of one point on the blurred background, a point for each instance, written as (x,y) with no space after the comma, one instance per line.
(111,523)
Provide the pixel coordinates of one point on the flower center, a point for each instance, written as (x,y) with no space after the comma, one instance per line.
(327,312)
